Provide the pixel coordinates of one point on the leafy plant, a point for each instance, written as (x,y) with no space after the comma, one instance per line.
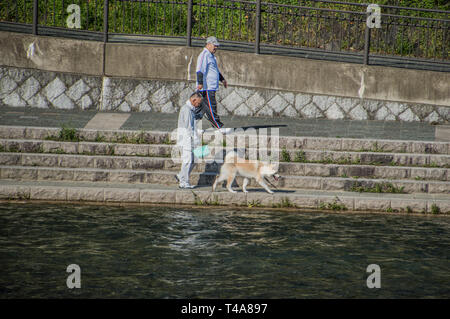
(235,21)
(207,202)
(285,156)
(384,187)
(100,138)
(300,157)
(284,203)
(254,203)
(68,134)
(13,148)
(435,209)
(336,205)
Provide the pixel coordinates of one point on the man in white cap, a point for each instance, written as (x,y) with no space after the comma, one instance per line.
(208,77)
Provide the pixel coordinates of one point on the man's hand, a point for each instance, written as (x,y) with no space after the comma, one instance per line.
(199,87)
(225,84)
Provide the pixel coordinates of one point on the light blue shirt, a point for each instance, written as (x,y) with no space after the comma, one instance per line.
(207,64)
(187,137)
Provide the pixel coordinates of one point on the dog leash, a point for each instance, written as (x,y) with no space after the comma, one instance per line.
(270,182)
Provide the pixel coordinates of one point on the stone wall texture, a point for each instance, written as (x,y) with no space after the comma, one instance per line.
(60,73)
(49,90)
(21,87)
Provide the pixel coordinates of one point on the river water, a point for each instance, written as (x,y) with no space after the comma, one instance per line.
(162,252)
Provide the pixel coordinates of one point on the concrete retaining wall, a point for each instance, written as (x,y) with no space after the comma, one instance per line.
(75,193)
(61,73)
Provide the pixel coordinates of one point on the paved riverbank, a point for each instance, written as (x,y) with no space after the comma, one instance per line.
(327,165)
(167,122)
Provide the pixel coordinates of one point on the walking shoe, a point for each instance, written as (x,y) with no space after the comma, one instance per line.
(226,130)
(186,186)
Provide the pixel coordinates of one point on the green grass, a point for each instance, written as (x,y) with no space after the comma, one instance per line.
(13,148)
(207,202)
(284,203)
(254,203)
(377,188)
(300,157)
(66,134)
(69,134)
(285,156)
(336,205)
(435,209)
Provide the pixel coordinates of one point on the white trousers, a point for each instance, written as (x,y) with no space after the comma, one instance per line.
(187,164)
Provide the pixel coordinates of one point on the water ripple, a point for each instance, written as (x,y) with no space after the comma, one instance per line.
(151,252)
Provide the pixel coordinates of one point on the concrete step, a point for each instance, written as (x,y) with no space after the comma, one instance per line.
(292,169)
(288,142)
(206,178)
(88,135)
(165,150)
(119,193)
(92,148)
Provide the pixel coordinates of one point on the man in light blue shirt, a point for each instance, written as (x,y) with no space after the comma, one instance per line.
(208,78)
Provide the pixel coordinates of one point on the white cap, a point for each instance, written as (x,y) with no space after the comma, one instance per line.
(212,40)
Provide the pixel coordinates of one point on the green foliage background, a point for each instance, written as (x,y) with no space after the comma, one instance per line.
(236,22)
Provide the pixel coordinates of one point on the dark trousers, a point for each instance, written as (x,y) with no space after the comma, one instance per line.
(209,107)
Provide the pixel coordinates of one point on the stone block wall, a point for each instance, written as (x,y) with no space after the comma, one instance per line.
(49,90)
(21,87)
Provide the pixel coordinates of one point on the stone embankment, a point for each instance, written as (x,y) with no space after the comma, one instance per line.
(117,166)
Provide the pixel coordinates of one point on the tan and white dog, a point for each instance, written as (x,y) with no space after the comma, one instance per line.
(234,165)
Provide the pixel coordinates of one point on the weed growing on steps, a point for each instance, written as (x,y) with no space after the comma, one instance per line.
(207,202)
(434,165)
(57,151)
(284,203)
(14,148)
(121,139)
(111,150)
(377,188)
(254,203)
(168,141)
(435,209)
(285,156)
(374,149)
(336,205)
(69,134)
(19,196)
(66,134)
(300,157)
(100,138)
